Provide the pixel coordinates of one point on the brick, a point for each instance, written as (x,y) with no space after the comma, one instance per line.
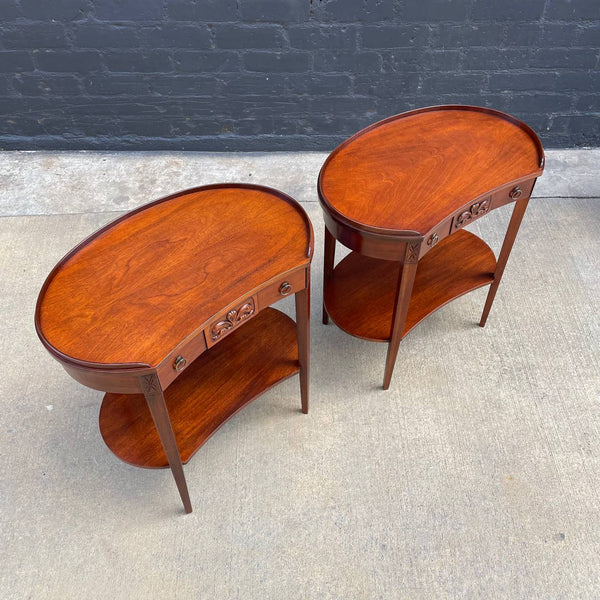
(322,37)
(555,35)
(435,10)
(184,85)
(343,105)
(30,84)
(14,62)
(573,9)
(348,62)
(242,37)
(536,103)
(579,81)
(277,62)
(327,124)
(588,36)
(507,10)
(206,62)
(35,35)
(523,34)
(466,35)
(142,62)
(582,129)
(5,85)
(280,11)
(202,10)
(60,10)
(64,62)
(400,36)
(353,10)
(496,59)
(385,87)
(508,82)
(588,103)
(172,35)
(94,35)
(115,85)
(9,10)
(318,84)
(411,59)
(251,84)
(129,10)
(573,58)
(453,83)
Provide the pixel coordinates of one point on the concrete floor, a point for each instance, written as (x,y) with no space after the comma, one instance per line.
(477,475)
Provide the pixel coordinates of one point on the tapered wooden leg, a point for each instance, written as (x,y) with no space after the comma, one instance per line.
(509,239)
(156,403)
(327,267)
(303,332)
(406,279)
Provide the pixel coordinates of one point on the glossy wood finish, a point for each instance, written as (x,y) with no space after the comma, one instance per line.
(361,298)
(149,300)
(409,172)
(509,240)
(137,288)
(218,384)
(401,191)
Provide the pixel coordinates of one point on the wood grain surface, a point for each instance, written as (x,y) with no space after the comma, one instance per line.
(219,383)
(360,296)
(137,288)
(411,171)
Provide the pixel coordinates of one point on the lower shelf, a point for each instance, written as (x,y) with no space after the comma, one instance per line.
(360,296)
(212,389)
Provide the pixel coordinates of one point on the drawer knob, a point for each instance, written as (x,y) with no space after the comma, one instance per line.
(179,363)
(515,193)
(285,288)
(433,240)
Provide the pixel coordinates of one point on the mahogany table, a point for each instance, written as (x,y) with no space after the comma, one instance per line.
(399,194)
(167,310)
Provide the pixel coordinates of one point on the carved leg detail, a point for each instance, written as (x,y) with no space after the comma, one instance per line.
(327,267)
(509,239)
(156,403)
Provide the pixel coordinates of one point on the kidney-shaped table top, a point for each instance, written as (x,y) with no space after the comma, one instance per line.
(407,173)
(135,289)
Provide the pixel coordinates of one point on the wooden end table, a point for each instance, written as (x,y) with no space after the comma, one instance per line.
(166,309)
(399,194)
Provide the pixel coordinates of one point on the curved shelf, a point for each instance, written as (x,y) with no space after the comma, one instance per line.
(360,295)
(212,389)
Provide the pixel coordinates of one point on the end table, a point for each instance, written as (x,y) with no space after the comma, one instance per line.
(399,194)
(167,310)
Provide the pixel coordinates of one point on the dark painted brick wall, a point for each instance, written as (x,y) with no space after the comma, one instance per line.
(286,74)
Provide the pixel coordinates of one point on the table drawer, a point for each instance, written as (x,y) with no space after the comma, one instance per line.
(512,193)
(286,285)
(436,236)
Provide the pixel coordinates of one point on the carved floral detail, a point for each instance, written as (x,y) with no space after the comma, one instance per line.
(474,211)
(232,319)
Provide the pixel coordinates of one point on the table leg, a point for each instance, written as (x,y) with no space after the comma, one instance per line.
(156,403)
(302,299)
(404,287)
(327,267)
(509,239)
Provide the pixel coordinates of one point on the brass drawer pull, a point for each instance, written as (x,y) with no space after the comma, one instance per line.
(179,363)
(285,288)
(433,240)
(515,193)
